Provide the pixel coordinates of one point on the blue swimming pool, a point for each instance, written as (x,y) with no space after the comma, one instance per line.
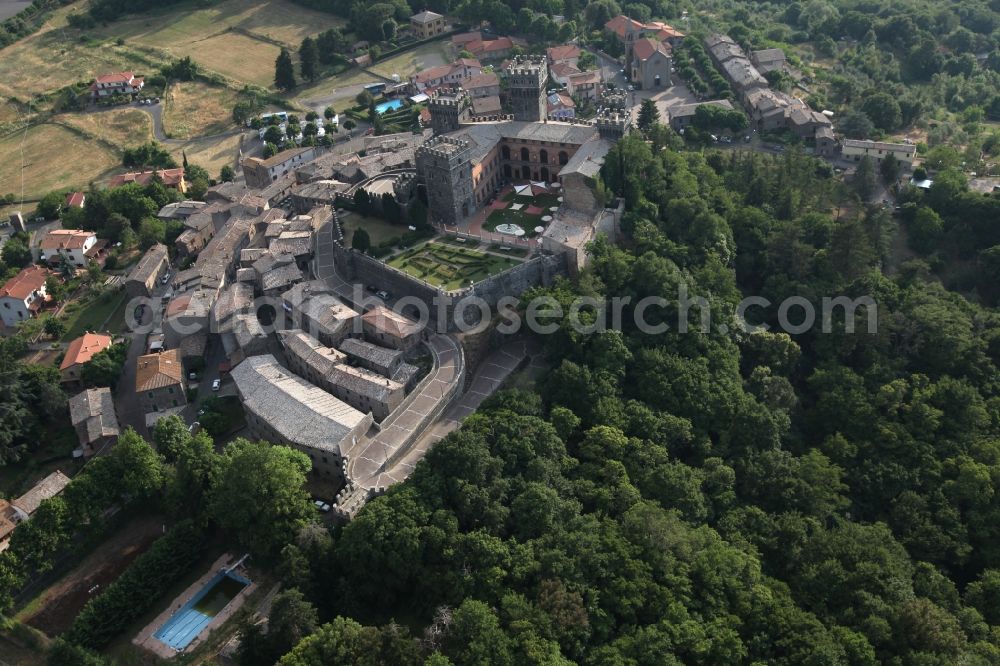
(184,625)
(391,105)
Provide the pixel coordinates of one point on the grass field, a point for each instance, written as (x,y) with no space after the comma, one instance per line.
(448,266)
(411,62)
(197,109)
(237,56)
(210,154)
(123,127)
(182,28)
(53,58)
(91,315)
(232,38)
(335,91)
(54,158)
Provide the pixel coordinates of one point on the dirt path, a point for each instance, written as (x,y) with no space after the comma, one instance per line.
(53,612)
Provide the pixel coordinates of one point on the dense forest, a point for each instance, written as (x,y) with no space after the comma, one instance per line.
(706,497)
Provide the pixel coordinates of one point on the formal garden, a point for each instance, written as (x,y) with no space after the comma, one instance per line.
(450,265)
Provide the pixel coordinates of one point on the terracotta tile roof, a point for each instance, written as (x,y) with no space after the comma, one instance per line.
(645,48)
(480,81)
(584,78)
(388,321)
(65,239)
(564,69)
(75,199)
(170,177)
(115,77)
(22,285)
(621,24)
(663,30)
(490,46)
(464,38)
(155,371)
(83,349)
(563,52)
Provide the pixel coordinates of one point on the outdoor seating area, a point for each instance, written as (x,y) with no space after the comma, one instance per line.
(526,208)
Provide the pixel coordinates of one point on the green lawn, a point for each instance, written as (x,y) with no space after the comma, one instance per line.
(90,314)
(450,266)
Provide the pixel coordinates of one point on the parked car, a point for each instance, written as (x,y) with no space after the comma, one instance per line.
(192,375)
(216,384)
(372,288)
(384,295)
(165,279)
(322,506)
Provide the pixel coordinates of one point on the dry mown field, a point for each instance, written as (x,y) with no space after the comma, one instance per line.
(215,36)
(52,59)
(53,158)
(196,109)
(210,154)
(124,127)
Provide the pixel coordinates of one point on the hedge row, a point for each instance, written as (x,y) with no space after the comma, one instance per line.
(145,581)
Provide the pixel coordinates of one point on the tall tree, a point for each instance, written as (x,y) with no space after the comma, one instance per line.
(284,71)
(309,59)
(258,496)
(648,115)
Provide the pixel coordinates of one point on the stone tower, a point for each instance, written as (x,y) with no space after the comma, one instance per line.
(614,118)
(526,80)
(449,108)
(445,170)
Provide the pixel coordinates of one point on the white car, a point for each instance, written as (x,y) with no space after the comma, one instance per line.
(216,384)
(322,506)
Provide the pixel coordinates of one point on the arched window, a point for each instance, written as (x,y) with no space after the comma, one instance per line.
(545,174)
(525,155)
(543,156)
(526,172)
(505,152)
(563,158)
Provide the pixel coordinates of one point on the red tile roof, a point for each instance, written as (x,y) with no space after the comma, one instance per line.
(75,199)
(115,77)
(464,38)
(83,349)
(481,81)
(65,239)
(622,24)
(22,285)
(564,69)
(564,52)
(646,47)
(490,46)
(170,177)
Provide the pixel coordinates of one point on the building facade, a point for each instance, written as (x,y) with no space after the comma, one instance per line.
(159,381)
(261,173)
(23,295)
(70,245)
(143,278)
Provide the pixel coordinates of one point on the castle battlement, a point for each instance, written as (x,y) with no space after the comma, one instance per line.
(444,148)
